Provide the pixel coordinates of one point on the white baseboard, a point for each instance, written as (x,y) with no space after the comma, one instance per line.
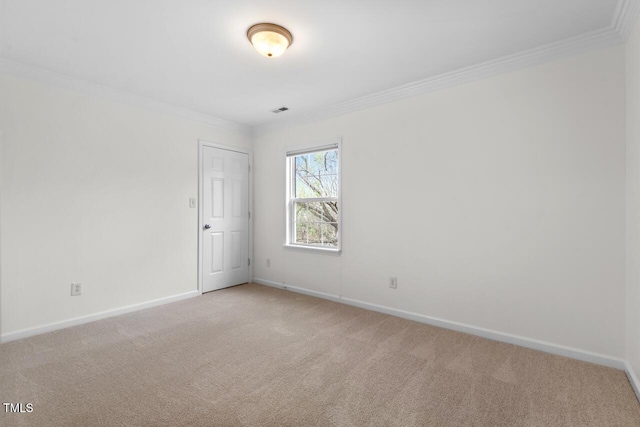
(574,353)
(633,379)
(29,332)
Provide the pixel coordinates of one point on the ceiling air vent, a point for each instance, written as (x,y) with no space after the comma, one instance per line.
(279,110)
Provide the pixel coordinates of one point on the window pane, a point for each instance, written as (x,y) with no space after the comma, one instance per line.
(311,233)
(330,234)
(316,233)
(316,223)
(316,174)
(301,233)
(316,212)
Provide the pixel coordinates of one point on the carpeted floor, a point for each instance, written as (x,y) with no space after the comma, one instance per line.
(257,356)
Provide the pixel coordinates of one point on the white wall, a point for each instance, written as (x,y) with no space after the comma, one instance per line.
(499,204)
(633,199)
(97,192)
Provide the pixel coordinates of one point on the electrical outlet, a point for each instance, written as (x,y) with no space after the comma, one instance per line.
(76,289)
(268,262)
(393,282)
(193,203)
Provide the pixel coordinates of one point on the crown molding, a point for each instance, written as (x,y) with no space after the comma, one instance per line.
(625,18)
(616,32)
(21,70)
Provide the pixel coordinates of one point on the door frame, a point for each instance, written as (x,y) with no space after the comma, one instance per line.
(204,143)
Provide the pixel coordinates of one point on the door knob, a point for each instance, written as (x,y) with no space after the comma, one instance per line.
(207,226)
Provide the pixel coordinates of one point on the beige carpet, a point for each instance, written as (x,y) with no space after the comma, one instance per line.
(257,356)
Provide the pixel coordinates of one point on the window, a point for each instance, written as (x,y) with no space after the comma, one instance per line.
(313,197)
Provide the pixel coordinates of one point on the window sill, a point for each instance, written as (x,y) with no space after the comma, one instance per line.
(312,249)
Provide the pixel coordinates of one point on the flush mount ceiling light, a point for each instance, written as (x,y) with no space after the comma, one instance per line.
(270,40)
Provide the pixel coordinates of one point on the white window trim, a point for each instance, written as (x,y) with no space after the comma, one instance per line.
(289,224)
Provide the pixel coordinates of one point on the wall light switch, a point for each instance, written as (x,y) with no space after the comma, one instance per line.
(193,203)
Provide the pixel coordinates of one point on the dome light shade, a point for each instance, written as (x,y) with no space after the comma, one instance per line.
(269,40)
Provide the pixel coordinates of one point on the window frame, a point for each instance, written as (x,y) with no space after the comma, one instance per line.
(290,154)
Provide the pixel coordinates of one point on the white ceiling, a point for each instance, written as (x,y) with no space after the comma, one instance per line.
(194,53)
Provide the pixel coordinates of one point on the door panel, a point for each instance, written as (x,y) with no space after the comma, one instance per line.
(217,163)
(225,218)
(217,254)
(236,249)
(217,198)
(237,197)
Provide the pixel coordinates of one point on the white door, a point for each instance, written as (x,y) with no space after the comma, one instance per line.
(224,218)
